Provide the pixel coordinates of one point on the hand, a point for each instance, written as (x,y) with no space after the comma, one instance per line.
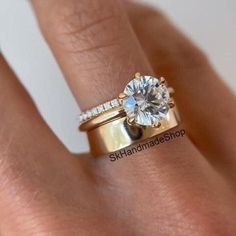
(183,187)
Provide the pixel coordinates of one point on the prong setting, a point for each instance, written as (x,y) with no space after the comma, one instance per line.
(157,125)
(171,91)
(122,96)
(131,121)
(162,80)
(137,75)
(171,103)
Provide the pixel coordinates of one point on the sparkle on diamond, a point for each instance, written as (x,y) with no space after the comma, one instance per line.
(147,100)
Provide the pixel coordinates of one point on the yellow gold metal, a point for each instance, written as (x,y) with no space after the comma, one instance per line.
(163,81)
(131,121)
(102,119)
(171,91)
(117,134)
(171,103)
(157,125)
(137,75)
(122,96)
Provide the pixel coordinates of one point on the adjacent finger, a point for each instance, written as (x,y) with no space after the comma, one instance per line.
(20,122)
(44,190)
(34,165)
(205,103)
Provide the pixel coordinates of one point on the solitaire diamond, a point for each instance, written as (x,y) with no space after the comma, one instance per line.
(146,100)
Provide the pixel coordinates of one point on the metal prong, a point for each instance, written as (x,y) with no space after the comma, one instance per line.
(122,96)
(131,121)
(137,75)
(157,125)
(163,81)
(171,90)
(171,103)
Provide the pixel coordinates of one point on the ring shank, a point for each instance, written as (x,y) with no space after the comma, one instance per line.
(118,134)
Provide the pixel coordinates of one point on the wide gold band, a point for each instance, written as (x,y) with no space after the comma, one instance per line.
(116,133)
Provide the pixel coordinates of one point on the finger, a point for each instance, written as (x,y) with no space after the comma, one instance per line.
(98,51)
(206,104)
(20,122)
(94,45)
(32,160)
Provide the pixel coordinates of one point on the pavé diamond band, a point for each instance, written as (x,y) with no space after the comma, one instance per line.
(95,111)
(144,109)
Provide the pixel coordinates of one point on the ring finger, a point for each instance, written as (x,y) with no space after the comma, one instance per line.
(98,52)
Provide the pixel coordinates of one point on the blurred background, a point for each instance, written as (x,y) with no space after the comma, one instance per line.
(210,23)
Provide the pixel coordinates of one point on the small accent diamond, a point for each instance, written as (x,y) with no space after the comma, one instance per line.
(114,103)
(81,118)
(94,111)
(100,109)
(107,106)
(89,114)
(84,116)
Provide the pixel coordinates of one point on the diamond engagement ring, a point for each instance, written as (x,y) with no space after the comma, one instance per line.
(144,109)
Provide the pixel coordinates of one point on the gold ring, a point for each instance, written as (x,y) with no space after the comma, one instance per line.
(144,109)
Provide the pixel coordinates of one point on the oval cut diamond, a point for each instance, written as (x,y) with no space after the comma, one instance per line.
(146,101)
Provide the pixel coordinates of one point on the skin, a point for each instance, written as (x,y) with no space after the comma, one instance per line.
(183,187)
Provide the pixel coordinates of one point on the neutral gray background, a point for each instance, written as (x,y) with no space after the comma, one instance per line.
(210,23)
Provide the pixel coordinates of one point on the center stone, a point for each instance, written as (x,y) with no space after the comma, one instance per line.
(146,101)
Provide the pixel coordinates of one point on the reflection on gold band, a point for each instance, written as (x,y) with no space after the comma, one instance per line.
(116,133)
(103,118)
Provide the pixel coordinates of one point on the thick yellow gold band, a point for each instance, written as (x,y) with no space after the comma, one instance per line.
(116,133)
